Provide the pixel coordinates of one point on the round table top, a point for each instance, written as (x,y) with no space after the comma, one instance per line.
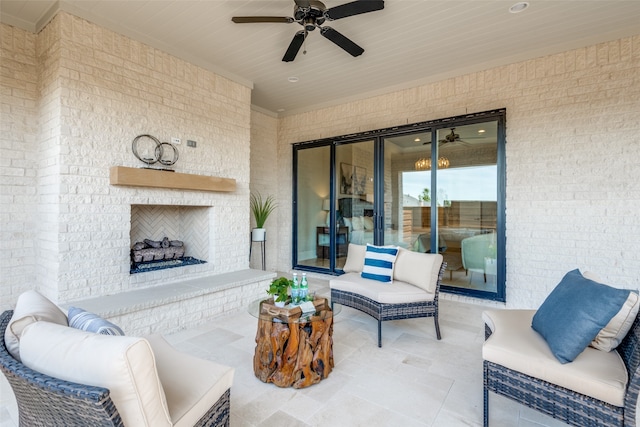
(264,309)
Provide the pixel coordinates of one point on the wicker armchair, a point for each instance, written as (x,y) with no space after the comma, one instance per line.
(47,401)
(574,408)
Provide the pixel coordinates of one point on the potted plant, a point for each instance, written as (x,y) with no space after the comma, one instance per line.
(424,197)
(261,209)
(279,289)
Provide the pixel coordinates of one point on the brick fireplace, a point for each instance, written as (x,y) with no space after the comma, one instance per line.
(93,92)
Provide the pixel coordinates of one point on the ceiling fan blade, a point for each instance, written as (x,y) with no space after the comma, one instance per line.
(354,8)
(346,44)
(294,46)
(254,19)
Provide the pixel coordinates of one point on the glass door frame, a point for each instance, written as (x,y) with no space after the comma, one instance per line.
(378,137)
(498,116)
(294,208)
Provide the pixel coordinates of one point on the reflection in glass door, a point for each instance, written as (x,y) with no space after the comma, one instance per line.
(444,200)
(467,196)
(312,204)
(325,227)
(354,196)
(407,203)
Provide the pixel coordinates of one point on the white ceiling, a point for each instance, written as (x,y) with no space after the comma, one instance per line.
(407,43)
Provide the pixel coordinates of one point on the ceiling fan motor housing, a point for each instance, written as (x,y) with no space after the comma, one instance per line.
(311,16)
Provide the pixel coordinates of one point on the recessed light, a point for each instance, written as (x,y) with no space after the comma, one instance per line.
(416,140)
(481,131)
(519,7)
(293,79)
(280,110)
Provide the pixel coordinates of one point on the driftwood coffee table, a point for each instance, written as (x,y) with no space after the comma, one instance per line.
(293,349)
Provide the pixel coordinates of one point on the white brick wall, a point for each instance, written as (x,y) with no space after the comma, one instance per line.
(79,95)
(573,150)
(264,165)
(19,131)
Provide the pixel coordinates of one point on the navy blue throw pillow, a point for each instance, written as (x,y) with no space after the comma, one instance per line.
(574,312)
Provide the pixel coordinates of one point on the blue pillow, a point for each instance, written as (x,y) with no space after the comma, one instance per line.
(83,320)
(378,263)
(574,312)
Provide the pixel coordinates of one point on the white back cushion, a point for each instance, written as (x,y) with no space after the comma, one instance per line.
(355,258)
(30,307)
(367,223)
(357,223)
(614,332)
(124,365)
(418,269)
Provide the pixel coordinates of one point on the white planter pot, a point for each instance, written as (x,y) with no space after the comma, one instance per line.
(258,234)
(278,303)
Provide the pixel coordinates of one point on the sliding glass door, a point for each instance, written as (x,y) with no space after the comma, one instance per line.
(436,187)
(311,201)
(327,221)
(467,203)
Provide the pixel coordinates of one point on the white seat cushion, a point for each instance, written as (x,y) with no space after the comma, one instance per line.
(515,345)
(191,385)
(388,293)
(124,365)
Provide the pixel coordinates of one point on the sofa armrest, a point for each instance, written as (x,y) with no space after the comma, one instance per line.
(191,385)
(494,317)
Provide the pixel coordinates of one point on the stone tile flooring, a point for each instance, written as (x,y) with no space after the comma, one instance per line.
(413,380)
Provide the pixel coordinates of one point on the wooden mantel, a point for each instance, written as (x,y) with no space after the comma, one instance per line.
(121,175)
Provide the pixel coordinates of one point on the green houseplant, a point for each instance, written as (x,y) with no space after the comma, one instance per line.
(261,209)
(279,289)
(425,196)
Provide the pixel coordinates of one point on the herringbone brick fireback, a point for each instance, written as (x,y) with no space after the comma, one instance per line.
(189,224)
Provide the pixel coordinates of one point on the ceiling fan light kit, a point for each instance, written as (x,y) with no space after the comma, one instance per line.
(311,14)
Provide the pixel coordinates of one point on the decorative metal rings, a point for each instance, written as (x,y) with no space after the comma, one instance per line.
(167,161)
(149,150)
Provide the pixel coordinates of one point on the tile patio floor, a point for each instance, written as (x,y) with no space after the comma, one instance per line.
(413,380)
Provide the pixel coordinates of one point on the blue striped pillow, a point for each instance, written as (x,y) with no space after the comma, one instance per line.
(83,320)
(378,263)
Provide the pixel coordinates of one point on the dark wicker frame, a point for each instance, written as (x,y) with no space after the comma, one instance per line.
(383,312)
(48,401)
(573,408)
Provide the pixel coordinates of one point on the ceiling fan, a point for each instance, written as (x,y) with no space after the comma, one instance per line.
(311,14)
(451,137)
